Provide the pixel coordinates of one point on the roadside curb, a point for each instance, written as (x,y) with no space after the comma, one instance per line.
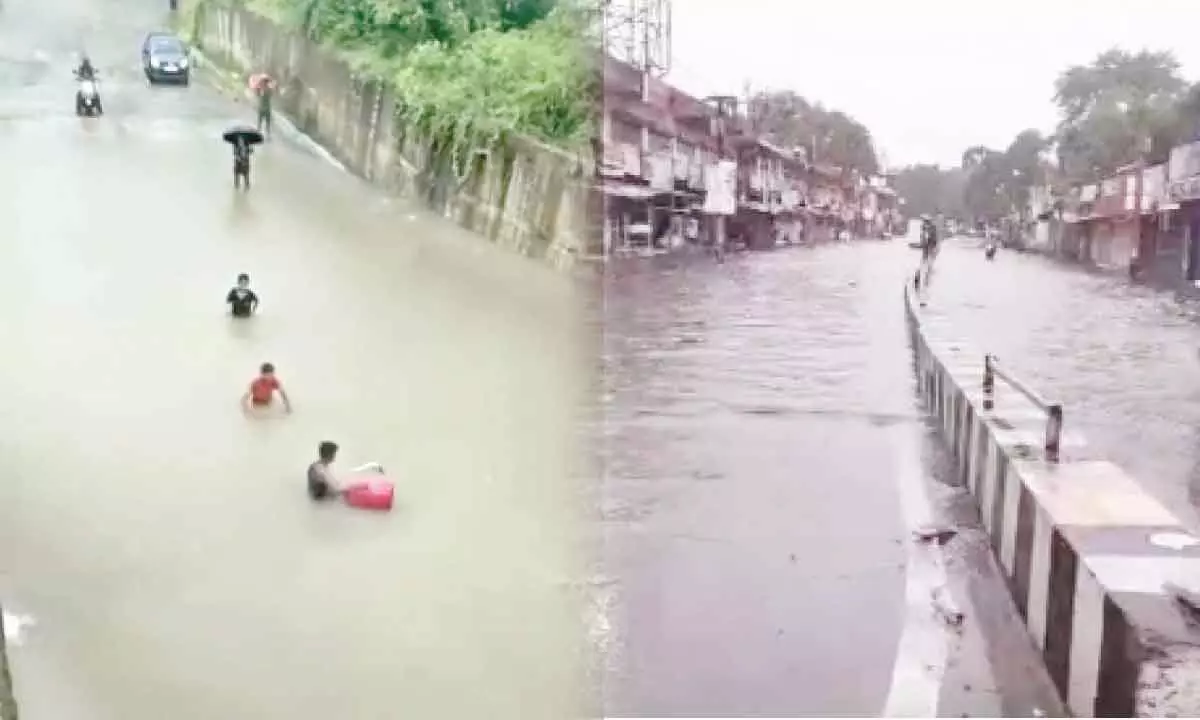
(1086,552)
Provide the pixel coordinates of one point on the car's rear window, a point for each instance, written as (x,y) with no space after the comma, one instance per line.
(166,45)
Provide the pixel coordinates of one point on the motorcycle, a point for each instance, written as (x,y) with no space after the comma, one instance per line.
(989,251)
(87,98)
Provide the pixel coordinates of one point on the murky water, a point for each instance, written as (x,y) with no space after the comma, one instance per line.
(754,417)
(760,431)
(1123,358)
(162,539)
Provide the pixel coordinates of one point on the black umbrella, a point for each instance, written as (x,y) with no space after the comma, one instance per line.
(247,135)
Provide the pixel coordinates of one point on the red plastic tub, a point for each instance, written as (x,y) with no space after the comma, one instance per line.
(375,493)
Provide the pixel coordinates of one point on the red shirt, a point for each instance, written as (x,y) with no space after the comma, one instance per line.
(263,387)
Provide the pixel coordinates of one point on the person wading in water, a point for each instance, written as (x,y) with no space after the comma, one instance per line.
(929,249)
(264,90)
(241,164)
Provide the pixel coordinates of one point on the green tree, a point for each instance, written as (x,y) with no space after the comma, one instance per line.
(789,120)
(1112,109)
(469,70)
(998,182)
(535,80)
(929,189)
(984,171)
(1024,166)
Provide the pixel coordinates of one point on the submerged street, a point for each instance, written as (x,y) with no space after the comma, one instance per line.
(1123,358)
(747,549)
(766,463)
(161,540)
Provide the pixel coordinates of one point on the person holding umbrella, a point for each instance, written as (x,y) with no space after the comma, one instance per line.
(243,141)
(263,87)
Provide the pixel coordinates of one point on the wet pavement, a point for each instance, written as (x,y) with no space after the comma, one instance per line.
(162,540)
(1122,357)
(766,462)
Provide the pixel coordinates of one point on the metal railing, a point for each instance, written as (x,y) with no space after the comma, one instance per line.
(1054,411)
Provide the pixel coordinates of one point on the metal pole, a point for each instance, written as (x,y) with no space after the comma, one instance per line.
(1054,423)
(989,383)
(719,238)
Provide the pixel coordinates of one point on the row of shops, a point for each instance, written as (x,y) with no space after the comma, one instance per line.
(1143,219)
(755,204)
(674,171)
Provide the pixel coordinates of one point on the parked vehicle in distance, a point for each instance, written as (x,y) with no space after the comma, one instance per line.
(165,59)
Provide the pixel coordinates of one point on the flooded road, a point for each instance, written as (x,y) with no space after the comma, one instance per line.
(766,462)
(161,539)
(1123,358)
(747,551)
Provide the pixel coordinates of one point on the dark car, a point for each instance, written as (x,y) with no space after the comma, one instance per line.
(165,59)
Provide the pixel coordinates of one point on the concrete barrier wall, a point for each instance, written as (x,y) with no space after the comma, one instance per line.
(8,700)
(519,193)
(1088,555)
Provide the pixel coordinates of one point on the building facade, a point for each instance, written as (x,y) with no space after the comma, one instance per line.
(658,146)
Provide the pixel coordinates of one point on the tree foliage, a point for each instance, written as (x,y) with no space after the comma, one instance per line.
(1117,107)
(1113,111)
(789,120)
(987,185)
(997,182)
(929,189)
(465,67)
(533,80)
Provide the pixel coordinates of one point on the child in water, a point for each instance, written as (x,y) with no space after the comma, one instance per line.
(263,388)
(241,299)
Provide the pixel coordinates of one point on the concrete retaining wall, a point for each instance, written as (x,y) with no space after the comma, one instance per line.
(521,194)
(1083,547)
(8,700)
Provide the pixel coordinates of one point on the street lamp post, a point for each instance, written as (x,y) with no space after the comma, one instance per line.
(1139,169)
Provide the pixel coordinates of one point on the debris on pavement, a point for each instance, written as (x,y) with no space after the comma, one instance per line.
(938,536)
(946,609)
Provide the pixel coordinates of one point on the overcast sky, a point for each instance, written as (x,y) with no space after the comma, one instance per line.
(927,77)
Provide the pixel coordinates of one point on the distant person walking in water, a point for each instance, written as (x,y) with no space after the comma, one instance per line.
(241,164)
(263,86)
(242,301)
(929,249)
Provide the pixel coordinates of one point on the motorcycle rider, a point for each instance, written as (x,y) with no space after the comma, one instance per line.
(85,71)
(86,96)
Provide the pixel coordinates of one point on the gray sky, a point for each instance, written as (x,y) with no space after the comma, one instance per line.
(927,77)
